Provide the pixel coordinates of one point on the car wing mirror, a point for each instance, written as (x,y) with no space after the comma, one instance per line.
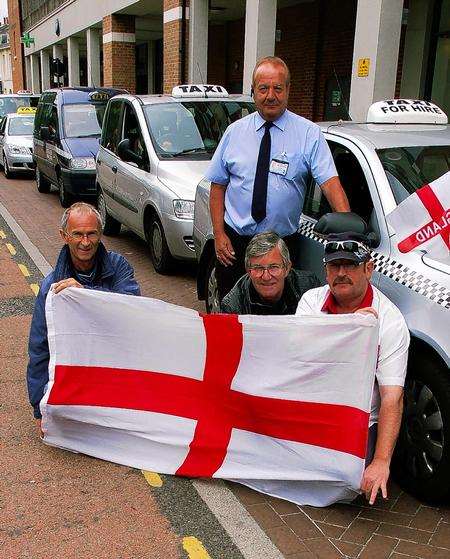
(125,153)
(46,135)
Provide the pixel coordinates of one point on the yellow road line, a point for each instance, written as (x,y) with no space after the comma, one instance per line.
(24,270)
(34,288)
(11,249)
(2,234)
(152,478)
(194,548)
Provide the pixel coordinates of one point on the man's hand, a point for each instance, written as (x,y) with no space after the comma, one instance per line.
(368,310)
(375,477)
(224,249)
(39,426)
(63,284)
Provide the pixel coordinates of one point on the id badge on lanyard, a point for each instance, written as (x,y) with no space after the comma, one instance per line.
(279,165)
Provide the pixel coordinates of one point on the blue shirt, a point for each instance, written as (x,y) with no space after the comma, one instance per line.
(294,140)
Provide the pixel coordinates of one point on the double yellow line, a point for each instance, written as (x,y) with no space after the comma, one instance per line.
(33,286)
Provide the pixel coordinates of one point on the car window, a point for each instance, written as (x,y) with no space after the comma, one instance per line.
(50,119)
(2,125)
(22,126)
(111,130)
(83,120)
(191,127)
(132,132)
(9,105)
(409,168)
(353,181)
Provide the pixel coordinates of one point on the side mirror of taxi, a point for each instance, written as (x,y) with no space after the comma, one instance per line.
(46,135)
(125,152)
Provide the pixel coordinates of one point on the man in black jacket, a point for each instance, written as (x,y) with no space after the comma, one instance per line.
(271,285)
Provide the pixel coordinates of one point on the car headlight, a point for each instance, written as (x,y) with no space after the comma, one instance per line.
(79,163)
(183,209)
(18,150)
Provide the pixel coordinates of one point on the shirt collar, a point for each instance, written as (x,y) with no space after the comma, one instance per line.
(279,123)
(330,305)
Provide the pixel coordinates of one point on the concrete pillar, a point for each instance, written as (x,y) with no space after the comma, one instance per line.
(119,56)
(375,54)
(34,66)
(151,67)
(45,70)
(260,22)
(73,61)
(198,49)
(28,73)
(93,57)
(175,53)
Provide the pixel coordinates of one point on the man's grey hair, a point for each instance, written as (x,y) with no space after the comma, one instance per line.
(274,61)
(82,208)
(263,243)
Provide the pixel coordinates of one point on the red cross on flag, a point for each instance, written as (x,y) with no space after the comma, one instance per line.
(159,387)
(422,221)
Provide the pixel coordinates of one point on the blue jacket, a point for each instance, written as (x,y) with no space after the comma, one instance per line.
(114,274)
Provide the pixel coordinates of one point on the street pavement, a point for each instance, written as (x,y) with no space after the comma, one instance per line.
(59,504)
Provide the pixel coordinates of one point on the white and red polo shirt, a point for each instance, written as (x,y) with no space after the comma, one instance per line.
(393,341)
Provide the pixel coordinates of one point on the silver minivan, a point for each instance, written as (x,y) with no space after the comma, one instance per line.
(380,163)
(154,150)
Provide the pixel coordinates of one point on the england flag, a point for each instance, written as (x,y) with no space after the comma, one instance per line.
(279,403)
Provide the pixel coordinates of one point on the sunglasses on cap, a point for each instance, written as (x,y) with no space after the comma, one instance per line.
(346,246)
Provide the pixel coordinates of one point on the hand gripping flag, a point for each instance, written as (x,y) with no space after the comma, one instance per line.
(257,399)
(422,221)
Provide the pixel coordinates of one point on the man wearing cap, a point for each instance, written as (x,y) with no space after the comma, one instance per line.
(348,268)
(271,286)
(260,171)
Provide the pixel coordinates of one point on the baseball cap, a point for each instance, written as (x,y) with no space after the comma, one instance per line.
(347,246)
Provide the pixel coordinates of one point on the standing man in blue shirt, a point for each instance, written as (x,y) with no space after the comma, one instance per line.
(260,170)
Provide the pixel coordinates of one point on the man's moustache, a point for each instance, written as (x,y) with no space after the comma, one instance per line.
(343,281)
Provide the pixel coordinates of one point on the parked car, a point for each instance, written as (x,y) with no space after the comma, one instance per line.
(10,103)
(67,131)
(16,142)
(380,163)
(154,149)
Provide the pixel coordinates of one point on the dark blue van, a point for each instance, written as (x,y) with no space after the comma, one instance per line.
(67,131)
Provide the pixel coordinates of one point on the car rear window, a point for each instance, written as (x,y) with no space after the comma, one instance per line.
(409,168)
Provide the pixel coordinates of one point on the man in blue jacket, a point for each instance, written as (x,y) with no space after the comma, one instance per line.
(83,262)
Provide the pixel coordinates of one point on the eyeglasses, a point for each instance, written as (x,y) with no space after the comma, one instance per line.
(78,236)
(347,246)
(348,266)
(275,270)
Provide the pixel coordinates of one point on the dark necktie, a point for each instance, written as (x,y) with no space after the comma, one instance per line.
(259,200)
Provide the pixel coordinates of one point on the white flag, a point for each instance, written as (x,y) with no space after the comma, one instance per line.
(159,387)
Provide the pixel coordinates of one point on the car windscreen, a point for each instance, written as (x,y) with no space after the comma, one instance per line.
(191,129)
(409,168)
(21,126)
(9,105)
(83,119)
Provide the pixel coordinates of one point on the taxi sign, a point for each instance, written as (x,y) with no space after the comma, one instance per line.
(24,92)
(199,90)
(99,96)
(406,111)
(26,110)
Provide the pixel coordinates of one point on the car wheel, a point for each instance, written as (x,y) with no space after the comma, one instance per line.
(6,169)
(42,184)
(65,198)
(212,294)
(162,259)
(422,458)
(110,225)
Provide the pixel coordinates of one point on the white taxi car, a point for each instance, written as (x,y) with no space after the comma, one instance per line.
(16,141)
(403,145)
(153,152)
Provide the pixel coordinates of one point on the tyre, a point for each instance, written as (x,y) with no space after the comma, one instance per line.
(42,184)
(110,225)
(422,458)
(65,198)
(7,171)
(212,294)
(163,261)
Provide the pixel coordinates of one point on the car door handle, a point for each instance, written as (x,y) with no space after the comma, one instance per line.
(114,169)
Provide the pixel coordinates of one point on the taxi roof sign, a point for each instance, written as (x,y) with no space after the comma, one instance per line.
(99,96)
(26,110)
(199,90)
(405,111)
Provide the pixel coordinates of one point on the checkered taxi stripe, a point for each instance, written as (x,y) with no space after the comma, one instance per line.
(396,271)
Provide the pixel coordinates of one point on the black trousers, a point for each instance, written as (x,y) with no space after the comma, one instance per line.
(227,276)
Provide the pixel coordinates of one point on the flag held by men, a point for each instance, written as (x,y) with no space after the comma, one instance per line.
(158,387)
